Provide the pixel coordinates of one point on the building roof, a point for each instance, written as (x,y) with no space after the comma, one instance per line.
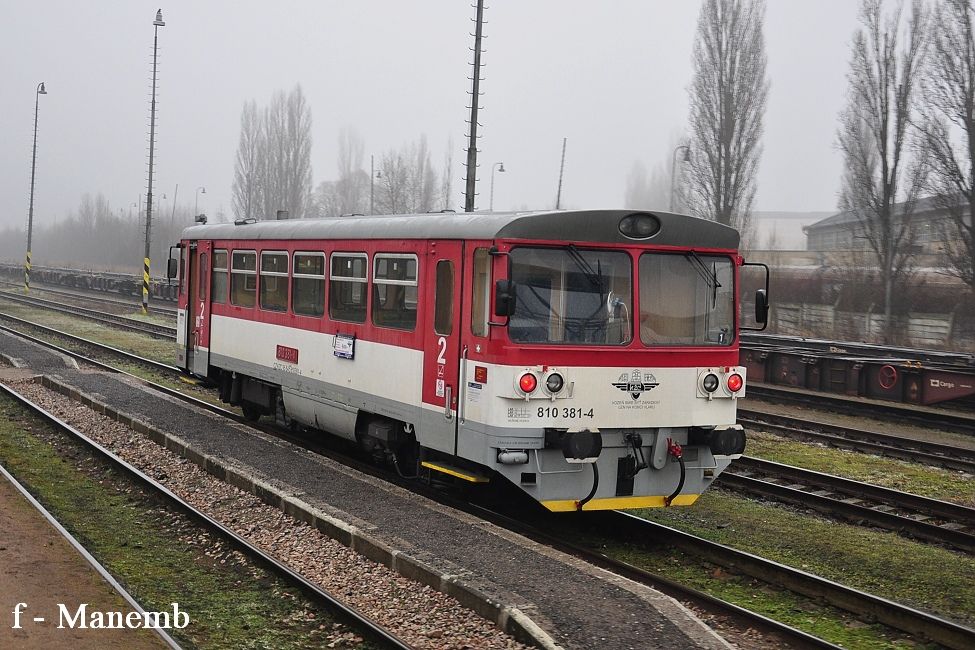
(927,204)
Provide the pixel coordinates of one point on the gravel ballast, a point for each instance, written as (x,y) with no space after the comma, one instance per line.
(578,605)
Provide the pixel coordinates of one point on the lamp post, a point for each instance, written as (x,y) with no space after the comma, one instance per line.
(673,170)
(196,204)
(157,23)
(500,167)
(372,184)
(33,166)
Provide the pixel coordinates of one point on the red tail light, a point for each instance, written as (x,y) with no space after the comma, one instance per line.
(528,383)
(735,383)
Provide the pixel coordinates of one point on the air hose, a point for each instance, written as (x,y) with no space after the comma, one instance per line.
(595,484)
(675,450)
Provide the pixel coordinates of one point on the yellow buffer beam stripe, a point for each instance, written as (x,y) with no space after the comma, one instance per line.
(471,478)
(620,503)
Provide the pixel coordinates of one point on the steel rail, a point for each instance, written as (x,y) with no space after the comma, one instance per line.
(151,329)
(88,557)
(799,638)
(372,629)
(852,507)
(920,451)
(926,417)
(95,297)
(158,365)
(712,604)
(896,615)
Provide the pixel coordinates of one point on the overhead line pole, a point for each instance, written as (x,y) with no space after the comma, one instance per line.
(157,23)
(558,195)
(475,95)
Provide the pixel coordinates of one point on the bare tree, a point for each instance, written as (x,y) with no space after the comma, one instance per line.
(353,181)
(728,96)
(446,177)
(874,136)
(250,165)
(948,133)
(407,183)
(325,200)
(273,167)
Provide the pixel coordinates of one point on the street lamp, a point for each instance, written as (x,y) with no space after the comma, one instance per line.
(196,209)
(157,23)
(33,165)
(500,167)
(673,169)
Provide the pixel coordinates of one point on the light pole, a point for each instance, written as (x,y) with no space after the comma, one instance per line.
(157,23)
(33,165)
(500,167)
(372,184)
(673,170)
(196,204)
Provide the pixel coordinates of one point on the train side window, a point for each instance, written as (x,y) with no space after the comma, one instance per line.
(202,293)
(394,291)
(482,292)
(443,318)
(274,280)
(218,279)
(308,284)
(183,283)
(349,280)
(243,278)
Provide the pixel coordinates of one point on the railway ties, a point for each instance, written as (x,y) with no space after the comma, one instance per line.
(936,521)
(369,627)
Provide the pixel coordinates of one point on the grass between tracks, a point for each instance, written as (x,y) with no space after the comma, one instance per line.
(922,576)
(160,556)
(932,482)
(143,345)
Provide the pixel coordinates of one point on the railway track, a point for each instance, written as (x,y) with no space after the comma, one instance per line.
(903,618)
(921,416)
(79,294)
(624,526)
(871,442)
(374,631)
(933,520)
(83,552)
(151,329)
(795,637)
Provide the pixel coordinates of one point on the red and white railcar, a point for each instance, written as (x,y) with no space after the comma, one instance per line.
(588,357)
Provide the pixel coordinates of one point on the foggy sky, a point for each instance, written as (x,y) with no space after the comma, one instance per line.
(612,77)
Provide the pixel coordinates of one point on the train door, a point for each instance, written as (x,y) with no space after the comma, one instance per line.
(198,308)
(442,354)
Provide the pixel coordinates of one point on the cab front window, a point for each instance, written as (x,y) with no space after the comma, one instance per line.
(571,296)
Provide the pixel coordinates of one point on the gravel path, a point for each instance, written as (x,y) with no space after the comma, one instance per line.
(414,612)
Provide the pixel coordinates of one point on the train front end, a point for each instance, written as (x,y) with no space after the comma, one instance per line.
(617,381)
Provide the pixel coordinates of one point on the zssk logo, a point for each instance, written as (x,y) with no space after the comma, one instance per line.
(636,383)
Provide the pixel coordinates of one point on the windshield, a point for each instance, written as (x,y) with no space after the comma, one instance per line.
(571,296)
(686,299)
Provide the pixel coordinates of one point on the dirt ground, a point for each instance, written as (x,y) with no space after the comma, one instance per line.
(40,568)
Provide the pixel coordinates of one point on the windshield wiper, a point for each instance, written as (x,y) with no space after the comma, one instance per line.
(595,276)
(709,276)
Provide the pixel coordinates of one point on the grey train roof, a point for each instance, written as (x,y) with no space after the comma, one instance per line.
(573,225)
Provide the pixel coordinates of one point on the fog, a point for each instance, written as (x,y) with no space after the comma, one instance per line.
(611,77)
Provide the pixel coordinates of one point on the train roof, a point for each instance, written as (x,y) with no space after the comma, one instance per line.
(600,226)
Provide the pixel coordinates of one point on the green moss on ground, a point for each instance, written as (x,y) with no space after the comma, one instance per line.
(932,482)
(819,620)
(160,557)
(923,576)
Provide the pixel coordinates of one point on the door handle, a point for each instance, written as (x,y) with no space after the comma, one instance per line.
(446,404)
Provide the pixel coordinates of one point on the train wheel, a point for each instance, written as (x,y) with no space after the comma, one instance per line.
(252,413)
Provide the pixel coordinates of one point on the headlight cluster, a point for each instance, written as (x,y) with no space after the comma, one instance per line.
(734,383)
(528,383)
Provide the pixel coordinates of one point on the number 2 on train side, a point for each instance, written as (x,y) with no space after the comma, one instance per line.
(442,356)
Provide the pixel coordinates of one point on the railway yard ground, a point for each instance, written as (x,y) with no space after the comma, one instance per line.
(541,595)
